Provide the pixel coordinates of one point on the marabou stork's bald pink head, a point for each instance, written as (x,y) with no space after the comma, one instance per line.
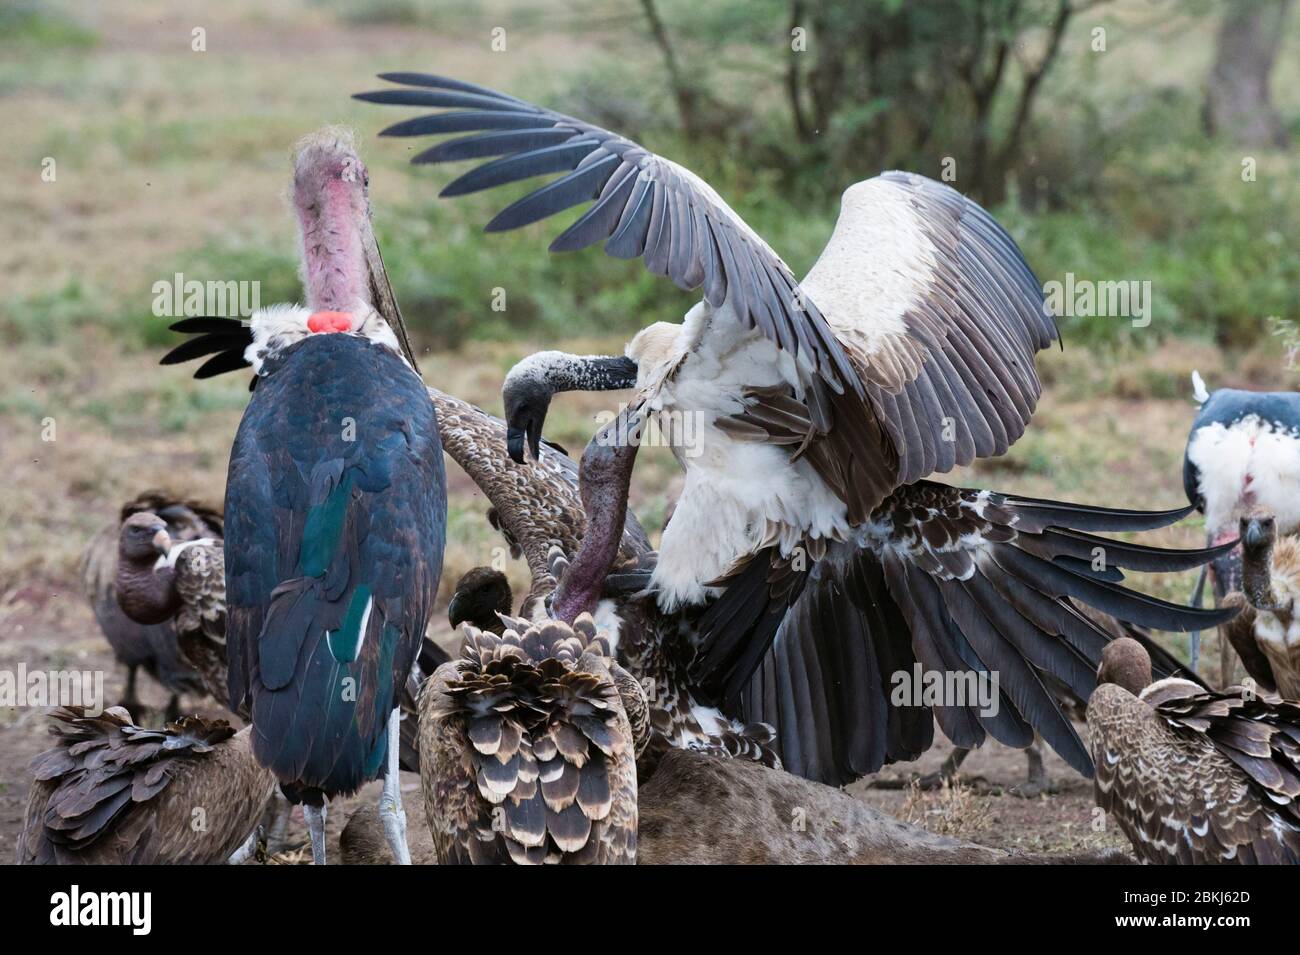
(343,276)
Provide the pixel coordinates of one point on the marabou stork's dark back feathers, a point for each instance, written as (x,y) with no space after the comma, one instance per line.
(958,580)
(336,509)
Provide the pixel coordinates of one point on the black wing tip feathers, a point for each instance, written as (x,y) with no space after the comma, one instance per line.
(621,215)
(222,341)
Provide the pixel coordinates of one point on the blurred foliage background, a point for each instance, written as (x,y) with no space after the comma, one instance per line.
(1086,125)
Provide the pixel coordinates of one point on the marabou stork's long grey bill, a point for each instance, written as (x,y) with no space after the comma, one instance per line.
(381,293)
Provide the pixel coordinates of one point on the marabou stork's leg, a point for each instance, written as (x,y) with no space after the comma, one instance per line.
(391,812)
(315,816)
(276,837)
(947,772)
(173,712)
(943,776)
(249,849)
(1198,600)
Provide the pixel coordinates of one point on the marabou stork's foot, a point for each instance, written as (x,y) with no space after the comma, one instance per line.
(315,816)
(254,847)
(1033,788)
(391,812)
(1037,782)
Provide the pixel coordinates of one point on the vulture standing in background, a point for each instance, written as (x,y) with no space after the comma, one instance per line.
(1243,456)
(111,792)
(1266,634)
(1194,776)
(151,646)
(527,748)
(336,507)
(184,585)
(181,584)
(808,560)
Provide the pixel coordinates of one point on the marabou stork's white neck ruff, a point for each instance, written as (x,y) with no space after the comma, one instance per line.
(1243,454)
(276,327)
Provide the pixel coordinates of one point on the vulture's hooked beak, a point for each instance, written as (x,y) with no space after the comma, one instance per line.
(162,541)
(1257,532)
(457,612)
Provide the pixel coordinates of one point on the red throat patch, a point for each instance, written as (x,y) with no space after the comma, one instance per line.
(330,322)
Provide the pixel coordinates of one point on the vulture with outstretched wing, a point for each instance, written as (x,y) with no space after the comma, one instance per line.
(806,416)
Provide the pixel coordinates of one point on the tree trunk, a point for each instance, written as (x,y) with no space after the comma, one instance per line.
(1237,104)
(684,93)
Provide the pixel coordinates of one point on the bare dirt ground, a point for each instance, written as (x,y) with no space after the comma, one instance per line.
(54,630)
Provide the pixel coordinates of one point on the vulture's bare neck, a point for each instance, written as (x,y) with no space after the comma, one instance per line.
(145,594)
(605,477)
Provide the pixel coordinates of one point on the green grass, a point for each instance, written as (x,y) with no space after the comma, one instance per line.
(27,25)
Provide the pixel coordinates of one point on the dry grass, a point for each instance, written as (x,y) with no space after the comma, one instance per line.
(954,809)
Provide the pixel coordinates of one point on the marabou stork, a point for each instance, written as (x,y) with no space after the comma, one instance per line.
(1192,775)
(335,506)
(151,646)
(818,563)
(1243,456)
(183,584)
(111,792)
